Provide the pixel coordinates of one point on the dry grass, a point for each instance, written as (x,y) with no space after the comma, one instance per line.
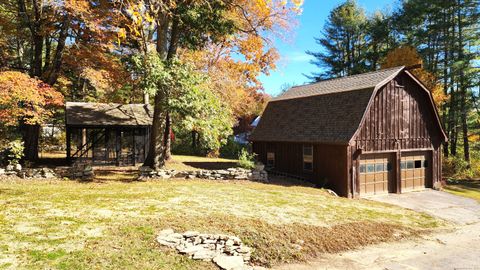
(466,188)
(112,224)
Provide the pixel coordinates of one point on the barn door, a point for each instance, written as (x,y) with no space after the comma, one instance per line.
(376,174)
(416,168)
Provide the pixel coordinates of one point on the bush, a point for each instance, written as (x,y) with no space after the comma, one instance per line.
(246,160)
(231,149)
(13,153)
(457,167)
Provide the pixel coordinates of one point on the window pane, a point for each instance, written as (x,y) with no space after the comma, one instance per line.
(308,166)
(362,168)
(403,165)
(379,167)
(410,164)
(307,150)
(418,164)
(370,168)
(425,163)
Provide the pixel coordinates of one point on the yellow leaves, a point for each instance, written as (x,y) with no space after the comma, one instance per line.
(121,35)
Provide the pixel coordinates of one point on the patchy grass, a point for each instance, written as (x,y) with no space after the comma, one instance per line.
(112,224)
(466,188)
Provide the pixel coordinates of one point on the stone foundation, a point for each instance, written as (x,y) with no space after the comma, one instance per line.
(18,171)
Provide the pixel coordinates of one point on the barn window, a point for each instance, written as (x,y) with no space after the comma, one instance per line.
(418,164)
(362,168)
(271,159)
(410,164)
(308,157)
(379,167)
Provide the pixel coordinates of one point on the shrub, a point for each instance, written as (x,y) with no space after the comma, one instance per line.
(246,160)
(457,167)
(13,153)
(231,149)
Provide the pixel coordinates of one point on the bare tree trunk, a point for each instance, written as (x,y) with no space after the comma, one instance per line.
(52,74)
(167,141)
(155,158)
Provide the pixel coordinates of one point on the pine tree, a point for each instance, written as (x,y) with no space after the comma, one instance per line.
(344,43)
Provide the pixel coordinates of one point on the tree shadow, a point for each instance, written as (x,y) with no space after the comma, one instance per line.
(212,165)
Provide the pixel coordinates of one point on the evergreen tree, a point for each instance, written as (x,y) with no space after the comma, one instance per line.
(343,43)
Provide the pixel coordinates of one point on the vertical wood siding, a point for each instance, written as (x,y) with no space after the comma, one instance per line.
(400,118)
(329,162)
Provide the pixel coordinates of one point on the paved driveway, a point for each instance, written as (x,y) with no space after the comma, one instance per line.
(441,204)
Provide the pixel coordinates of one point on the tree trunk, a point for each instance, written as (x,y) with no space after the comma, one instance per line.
(155,158)
(52,74)
(167,140)
(30,133)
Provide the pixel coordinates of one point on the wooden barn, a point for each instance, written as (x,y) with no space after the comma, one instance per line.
(108,134)
(361,135)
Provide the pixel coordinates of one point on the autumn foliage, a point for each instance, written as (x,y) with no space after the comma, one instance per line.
(26,99)
(408,56)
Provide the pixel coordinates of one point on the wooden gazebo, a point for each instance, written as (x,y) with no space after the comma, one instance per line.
(108,134)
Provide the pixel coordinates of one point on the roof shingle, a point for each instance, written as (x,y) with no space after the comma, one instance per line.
(324,112)
(102,114)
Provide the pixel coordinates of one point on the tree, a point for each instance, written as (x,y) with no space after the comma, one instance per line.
(27,102)
(193,25)
(344,43)
(408,56)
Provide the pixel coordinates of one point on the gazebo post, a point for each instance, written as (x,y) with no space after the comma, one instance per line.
(68,134)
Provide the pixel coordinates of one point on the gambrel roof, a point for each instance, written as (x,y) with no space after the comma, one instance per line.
(329,111)
(111,114)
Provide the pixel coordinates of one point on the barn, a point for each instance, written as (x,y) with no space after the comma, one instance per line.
(361,135)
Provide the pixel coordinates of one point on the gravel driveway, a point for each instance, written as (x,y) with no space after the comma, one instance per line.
(455,249)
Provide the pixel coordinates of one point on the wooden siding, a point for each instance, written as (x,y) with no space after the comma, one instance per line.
(329,163)
(400,119)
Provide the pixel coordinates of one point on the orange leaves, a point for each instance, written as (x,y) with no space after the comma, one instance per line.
(408,56)
(27,99)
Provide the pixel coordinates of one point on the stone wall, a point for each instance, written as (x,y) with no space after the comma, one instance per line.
(228,174)
(18,171)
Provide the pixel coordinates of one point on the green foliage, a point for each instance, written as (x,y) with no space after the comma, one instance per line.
(246,160)
(13,152)
(231,149)
(193,106)
(457,167)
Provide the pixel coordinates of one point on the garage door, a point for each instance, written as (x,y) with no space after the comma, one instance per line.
(415,170)
(375,173)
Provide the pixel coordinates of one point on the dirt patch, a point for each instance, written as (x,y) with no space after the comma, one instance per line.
(275,244)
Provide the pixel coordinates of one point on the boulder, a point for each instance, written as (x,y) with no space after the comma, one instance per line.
(204,254)
(229,262)
(18,167)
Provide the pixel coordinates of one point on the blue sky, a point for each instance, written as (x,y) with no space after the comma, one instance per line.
(294,62)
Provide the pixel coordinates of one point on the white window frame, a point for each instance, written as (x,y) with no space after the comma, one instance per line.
(307,158)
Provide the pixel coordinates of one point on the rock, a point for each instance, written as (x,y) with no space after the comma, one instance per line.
(10,168)
(18,167)
(229,243)
(2,171)
(189,234)
(191,250)
(243,249)
(236,240)
(190,176)
(228,262)
(204,254)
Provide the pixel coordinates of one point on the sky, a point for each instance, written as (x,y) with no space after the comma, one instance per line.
(294,62)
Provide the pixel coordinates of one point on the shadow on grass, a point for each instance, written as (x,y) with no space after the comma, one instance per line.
(206,165)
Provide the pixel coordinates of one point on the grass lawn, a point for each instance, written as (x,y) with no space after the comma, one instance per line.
(466,188)
(112,224)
